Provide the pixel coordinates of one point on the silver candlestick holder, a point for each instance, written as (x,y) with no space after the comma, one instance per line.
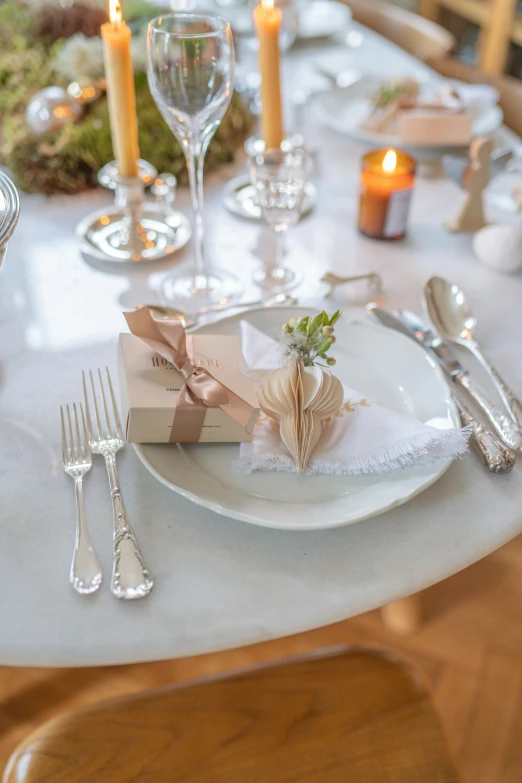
(134,229)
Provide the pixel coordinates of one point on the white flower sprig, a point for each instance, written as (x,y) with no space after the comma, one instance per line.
(80,57)
(310,339)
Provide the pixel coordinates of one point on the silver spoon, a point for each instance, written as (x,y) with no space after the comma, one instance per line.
(451,315)
(192,319)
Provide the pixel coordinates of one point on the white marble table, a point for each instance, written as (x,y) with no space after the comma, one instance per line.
(219,583)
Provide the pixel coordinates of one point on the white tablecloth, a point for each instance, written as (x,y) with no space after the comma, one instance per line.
(220,583)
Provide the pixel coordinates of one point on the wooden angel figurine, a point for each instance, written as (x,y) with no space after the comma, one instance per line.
(474,180)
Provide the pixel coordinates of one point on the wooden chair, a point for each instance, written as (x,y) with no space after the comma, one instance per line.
(418,36)
(340,716)
(498,21)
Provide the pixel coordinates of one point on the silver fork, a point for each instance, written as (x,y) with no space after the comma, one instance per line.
(85,574)
(130,575)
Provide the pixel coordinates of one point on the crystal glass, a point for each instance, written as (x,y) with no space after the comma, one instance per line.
(191,77)
(280,180)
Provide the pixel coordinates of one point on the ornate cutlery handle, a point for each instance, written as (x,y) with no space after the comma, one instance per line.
(130,576)
(85,574)
(503,424)
(495,456)
(508,397)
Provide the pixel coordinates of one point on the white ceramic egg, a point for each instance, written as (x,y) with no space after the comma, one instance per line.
(499,247)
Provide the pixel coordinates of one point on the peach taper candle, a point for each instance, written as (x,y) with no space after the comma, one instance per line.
(268,24)
(120,91)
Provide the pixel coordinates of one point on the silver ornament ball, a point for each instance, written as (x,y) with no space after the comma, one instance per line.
(50,109)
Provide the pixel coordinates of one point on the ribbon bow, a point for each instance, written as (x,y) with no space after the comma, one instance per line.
(200,390)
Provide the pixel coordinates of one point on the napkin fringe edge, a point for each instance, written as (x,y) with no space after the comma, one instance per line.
(403,454)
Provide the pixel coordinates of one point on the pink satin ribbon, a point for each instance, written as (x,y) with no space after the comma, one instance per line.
(200,391)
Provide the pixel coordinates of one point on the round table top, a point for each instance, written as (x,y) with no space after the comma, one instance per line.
(221,583)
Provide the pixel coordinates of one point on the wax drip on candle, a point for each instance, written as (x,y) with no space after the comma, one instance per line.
(389,163)
(115,13)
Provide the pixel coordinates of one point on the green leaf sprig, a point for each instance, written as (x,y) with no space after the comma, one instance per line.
(310,339)
(395,90)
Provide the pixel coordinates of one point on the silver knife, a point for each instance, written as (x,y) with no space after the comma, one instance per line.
(497,457)
(430,340)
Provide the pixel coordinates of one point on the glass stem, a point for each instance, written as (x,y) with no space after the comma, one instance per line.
(280,250)
(195,157)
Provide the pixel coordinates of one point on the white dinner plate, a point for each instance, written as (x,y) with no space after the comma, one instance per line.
(344,109)
(381,364)
(321,18)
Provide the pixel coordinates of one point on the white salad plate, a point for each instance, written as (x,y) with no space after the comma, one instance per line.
(381,364)
(345,109)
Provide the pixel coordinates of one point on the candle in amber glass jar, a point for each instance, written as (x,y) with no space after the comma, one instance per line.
(387,179)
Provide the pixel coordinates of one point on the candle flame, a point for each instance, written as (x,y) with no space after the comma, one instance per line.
(115,13)
(267,4)
(389,163)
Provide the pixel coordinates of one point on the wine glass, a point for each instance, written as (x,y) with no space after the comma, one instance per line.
(190,68)
(280,178)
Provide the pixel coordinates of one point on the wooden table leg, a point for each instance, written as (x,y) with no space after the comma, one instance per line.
(404,616)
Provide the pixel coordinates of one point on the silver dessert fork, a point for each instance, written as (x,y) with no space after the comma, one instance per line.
(85,574)
(130,575)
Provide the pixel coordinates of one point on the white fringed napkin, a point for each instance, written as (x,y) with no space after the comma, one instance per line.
(363,437)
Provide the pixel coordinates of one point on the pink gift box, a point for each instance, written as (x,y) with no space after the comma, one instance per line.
(150,384)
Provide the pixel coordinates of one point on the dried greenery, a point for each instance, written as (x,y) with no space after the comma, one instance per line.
(398,89)
(310,339)
(54,22)
(68,160)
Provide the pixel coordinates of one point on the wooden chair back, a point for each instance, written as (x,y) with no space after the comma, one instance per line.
(418,36)
(344,716)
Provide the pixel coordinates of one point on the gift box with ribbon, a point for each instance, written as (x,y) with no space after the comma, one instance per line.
(179,388)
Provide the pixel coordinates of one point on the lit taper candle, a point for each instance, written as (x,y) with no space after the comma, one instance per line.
(120,91)
(268,24)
